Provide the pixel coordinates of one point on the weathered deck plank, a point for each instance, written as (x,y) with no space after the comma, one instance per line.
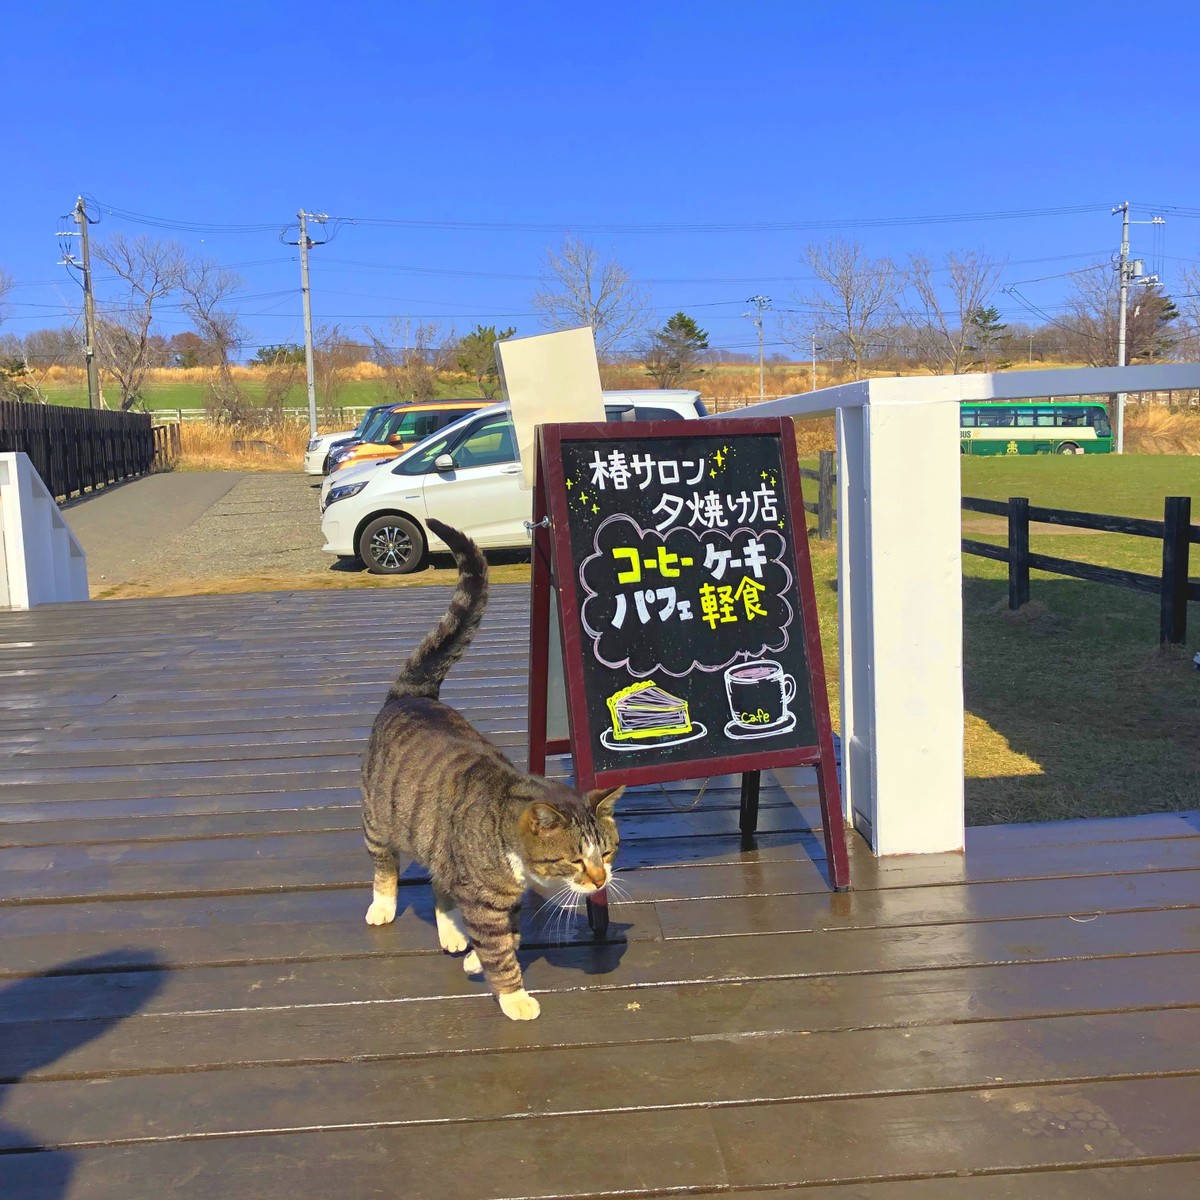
(190,1001)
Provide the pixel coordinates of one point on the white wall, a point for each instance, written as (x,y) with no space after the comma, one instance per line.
(41,561)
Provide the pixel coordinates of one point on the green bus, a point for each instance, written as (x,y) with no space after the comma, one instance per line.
(1035,428)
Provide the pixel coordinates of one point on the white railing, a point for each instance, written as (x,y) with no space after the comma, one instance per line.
(348,413)
(41,561)
(900,583)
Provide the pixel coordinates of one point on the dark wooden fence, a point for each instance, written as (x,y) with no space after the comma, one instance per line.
(822,509)
(1175,531)
(78,449)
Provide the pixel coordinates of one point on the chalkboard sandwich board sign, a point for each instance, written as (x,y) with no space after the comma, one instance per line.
(678,552)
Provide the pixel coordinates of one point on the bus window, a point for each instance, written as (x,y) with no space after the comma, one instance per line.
(1046,418)
(996,417)
(1025,419)
(1097,418)
(968,418)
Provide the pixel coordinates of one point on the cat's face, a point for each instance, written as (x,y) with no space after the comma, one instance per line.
(572,840)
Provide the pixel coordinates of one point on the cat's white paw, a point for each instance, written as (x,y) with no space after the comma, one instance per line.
(472,965)
(452,941)
(452,937)
(382,911)
(519,1006)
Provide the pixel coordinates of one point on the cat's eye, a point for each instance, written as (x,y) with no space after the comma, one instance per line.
(578,862)
(608,855)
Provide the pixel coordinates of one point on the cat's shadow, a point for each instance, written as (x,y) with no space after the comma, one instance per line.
(560,938)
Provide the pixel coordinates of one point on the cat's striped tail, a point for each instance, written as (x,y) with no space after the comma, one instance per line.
(430,662)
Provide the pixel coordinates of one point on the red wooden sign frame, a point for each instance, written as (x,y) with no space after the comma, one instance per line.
(552,547)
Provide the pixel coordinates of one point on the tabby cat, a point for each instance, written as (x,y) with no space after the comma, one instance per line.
(435,789)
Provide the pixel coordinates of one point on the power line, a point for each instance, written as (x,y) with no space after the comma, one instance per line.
(733,227)
(812,224)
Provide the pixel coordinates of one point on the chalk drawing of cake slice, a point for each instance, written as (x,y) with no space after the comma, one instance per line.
(644,713)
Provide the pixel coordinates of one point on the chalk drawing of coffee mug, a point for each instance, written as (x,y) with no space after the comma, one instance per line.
(759,694)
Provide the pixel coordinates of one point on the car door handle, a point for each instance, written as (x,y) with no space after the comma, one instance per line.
(515,469)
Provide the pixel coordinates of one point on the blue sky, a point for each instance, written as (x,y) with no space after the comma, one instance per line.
(597,119)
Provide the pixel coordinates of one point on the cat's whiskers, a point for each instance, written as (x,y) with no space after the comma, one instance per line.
(550,905)
(618,889)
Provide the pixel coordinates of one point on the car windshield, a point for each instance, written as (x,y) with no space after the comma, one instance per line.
(370,417)
(377,421)
(406,427)
(479,444)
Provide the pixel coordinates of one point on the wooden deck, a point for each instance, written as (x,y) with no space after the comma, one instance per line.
(191,1005)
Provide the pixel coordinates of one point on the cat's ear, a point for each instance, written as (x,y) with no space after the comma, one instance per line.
(544,818)
(603,799)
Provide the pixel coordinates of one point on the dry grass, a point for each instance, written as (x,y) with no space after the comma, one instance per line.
(1156,429)
(329,580)
(208,447)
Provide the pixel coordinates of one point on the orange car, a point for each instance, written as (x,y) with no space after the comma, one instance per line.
(404,426)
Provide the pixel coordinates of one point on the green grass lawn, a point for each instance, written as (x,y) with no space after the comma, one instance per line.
(1128,485)
(1072,711)
(1075,710)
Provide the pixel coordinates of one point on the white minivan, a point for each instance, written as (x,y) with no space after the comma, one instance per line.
(467,475)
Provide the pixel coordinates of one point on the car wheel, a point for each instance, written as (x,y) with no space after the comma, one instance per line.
(1069,448)
(392,546)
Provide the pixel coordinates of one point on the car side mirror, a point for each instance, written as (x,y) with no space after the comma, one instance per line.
(443,462)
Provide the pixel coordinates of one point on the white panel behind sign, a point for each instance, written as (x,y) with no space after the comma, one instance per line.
(548,379)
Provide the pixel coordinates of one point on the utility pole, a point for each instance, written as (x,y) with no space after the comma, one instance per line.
(813,364)
(81,218)
(1129,272)
(306,243)
(1123,268)
(760,303)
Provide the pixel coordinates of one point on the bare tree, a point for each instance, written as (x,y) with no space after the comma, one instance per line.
(334,357)
(850,311)
(206,289)
(412,354)
(280,374)
(1189,307)
(148,271)
(580,288)
(59,347)
(6,286)
(944,318)
(1091,324)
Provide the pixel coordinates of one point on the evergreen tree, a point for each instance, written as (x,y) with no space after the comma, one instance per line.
(988,335)
(476,355)
(672,354)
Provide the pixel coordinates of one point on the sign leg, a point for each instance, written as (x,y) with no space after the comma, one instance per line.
(832,822)
(748,818)
(597,912)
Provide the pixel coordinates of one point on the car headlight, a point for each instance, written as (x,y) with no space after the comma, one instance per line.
(315,444)
(343,492)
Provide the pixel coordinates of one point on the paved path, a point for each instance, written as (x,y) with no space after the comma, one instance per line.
(194,524)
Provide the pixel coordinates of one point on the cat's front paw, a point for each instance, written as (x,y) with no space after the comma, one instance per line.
(381,912)
(452,941)
(519,1006)
(472,965)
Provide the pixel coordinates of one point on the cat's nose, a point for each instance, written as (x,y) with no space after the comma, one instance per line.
(596,877)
